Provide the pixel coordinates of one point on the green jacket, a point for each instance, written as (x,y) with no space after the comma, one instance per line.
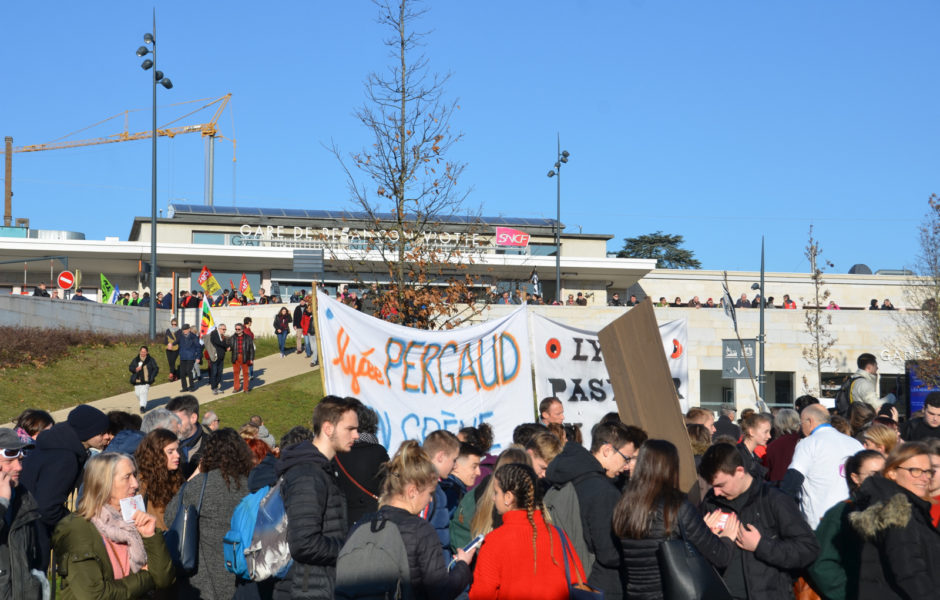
(840,553)
(85,568)
(460,534)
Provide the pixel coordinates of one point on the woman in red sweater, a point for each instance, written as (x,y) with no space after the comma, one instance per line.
(523,558)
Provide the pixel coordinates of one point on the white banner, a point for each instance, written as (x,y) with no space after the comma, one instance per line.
(568,364)
(420,381)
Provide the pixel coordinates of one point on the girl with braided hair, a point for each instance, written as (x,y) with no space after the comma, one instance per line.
(523,558)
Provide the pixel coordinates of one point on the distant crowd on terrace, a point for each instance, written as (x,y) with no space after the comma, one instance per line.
(742,302)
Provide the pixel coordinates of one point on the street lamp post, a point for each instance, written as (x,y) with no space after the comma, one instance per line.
(561,158)
(150,39)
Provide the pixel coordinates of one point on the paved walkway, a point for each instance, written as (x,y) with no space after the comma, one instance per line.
(267,370)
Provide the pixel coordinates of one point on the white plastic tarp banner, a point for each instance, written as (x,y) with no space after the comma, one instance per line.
(420,381)
(569,364)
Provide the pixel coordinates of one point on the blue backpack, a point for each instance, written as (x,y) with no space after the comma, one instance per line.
(255,547)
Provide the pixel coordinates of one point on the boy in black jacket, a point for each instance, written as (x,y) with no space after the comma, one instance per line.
(774,541)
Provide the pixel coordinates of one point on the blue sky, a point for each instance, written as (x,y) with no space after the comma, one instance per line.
(721,121)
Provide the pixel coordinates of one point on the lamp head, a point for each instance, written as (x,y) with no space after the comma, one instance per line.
(143,51)
(158,75)
(564,159)
(551,173)
(755,286)
(565,154)
(167,83)
(146,64)
(148,38)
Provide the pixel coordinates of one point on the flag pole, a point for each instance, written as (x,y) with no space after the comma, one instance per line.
(315,308)
(761,405)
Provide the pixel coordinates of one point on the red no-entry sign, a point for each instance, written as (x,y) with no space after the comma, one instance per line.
(66,280)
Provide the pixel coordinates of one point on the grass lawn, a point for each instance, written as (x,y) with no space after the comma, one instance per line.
(282,404)
(85,375)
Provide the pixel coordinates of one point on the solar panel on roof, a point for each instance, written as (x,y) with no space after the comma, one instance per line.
(347,215)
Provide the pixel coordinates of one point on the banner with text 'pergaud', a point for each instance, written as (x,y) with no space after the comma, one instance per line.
(420,381)
(569,364)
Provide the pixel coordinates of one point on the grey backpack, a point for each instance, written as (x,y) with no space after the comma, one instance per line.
(563,505)
(373,563)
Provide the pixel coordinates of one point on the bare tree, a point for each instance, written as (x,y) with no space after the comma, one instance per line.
(922,328)
(818,323)
(404,183)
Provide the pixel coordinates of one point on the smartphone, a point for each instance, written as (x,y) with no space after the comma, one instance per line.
(722,521)
(473,544)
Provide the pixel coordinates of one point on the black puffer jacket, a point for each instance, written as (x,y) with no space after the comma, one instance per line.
(430,578)
(901,548)
(787,543)
(50,473)
(362,463)
(639,556)
(316,513)
(597,497)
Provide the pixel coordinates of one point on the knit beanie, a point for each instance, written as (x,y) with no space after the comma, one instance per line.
(88,421)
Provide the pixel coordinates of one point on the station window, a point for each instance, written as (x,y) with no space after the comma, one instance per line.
(205,237)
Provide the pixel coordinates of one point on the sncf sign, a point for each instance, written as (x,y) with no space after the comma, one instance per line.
(511,237)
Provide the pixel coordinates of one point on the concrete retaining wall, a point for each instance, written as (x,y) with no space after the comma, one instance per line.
(30,311)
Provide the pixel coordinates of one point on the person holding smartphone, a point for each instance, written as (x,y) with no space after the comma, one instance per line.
(652,509)
(410,480)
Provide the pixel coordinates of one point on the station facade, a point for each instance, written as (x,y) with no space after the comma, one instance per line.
(507,252)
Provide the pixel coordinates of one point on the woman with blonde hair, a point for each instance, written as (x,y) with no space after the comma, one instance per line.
(101,555)
(410,479)
(880,438)
(542,449)
(526,556)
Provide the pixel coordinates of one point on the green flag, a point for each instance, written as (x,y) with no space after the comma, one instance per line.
(107,291)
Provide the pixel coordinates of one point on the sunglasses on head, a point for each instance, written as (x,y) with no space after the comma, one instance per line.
(7,453)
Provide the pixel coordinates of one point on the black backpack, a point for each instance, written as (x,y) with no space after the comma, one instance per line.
(844,396)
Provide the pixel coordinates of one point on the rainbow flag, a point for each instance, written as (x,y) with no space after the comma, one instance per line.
(206,322)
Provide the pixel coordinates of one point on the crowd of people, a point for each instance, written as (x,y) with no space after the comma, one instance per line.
(799,501)
(367,300)
(742,302)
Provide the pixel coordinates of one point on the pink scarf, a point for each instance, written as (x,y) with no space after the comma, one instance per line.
(115,529)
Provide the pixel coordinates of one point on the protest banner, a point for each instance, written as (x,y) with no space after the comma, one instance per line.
(420,381)
(640,377)
(569,365)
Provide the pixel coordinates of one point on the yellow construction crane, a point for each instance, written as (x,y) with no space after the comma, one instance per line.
(208,130)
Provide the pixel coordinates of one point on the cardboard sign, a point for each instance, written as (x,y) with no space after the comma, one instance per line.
(643,386)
